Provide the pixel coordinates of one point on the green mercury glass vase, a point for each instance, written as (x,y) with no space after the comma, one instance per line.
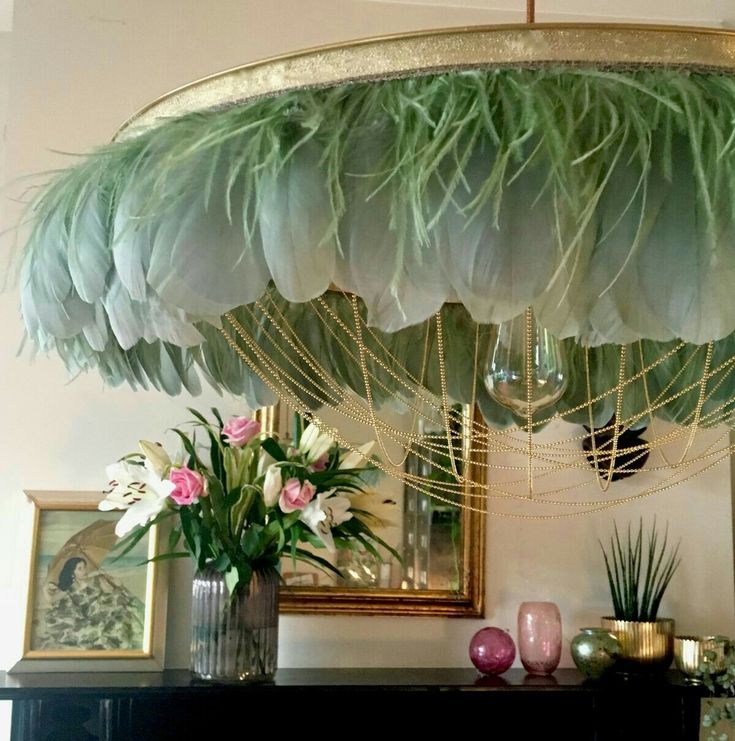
(595,651)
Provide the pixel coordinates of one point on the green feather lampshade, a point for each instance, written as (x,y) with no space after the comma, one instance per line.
(354,223)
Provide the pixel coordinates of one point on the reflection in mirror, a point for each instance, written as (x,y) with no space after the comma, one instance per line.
(440,543)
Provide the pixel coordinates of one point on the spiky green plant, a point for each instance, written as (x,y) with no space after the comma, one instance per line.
(638,576)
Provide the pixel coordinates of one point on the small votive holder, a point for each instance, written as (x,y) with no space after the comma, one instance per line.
(689,655)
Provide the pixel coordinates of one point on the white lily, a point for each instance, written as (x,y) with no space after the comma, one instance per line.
(136,489)
(313,444)
(323,513)
(272,485)
(358,458)
(157,456)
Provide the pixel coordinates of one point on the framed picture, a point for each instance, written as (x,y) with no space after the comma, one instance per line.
(90,609)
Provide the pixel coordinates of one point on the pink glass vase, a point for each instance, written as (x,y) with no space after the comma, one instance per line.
(539,636)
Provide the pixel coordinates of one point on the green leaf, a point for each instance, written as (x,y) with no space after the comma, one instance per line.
(369,547)
(314,560)
(191,530)
(167,556)
(117,549)
(273,537)
(189,447)
(221,563)
(336,479)
(358,529)
(232,579)
(173,538)
(198,415)
(312,539)
(124,546)
(219,507)
(215,445)
(250,542)
(246,574)
(295,534)
(217,459)
(290,519)
(272,529)
(393,552)
(273,449)
(233,496)
(299,425)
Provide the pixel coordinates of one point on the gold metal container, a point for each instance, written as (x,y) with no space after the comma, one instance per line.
(689,655)
(644,646)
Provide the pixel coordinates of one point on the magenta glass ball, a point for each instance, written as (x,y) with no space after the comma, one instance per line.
(492,650)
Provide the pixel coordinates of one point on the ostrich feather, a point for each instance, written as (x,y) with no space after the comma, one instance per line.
(606,199)
(295,218)
(88,251)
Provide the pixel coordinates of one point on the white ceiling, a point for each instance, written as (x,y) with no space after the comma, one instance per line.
(702,12)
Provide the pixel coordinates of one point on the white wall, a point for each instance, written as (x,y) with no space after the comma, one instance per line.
(5,49)
(79,68)
(707,13)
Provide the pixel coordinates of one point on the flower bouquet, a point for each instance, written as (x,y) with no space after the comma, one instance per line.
(248,499)
(239,500)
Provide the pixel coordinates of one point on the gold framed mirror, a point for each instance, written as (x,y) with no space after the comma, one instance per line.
(442,547)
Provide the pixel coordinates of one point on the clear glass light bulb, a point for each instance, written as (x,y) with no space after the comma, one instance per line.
(506,372)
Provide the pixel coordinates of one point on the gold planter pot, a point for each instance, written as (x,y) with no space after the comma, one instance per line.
(645,646)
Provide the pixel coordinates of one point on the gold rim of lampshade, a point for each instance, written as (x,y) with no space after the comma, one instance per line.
(453,49)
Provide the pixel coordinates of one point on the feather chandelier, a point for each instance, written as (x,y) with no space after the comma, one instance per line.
(455,240)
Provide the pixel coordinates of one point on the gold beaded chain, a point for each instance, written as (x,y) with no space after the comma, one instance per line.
(593,507)
(369,392)
(414,388)
(683,391)
(285,391)
(697,411)
(296,405)
(446,405)
(542,458)
(605,485)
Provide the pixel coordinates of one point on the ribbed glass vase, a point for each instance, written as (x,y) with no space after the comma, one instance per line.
(234,639)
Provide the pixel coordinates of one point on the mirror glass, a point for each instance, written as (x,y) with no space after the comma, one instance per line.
(441,544)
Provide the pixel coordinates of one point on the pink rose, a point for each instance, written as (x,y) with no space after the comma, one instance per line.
(296,495)
(320,463)
(188,485)
(239,431)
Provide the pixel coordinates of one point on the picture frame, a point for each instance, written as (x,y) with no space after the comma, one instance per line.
(88,609)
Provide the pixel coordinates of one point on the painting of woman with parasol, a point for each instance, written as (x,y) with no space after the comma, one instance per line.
(84,599)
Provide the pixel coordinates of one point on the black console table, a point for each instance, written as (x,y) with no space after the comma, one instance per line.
(338,703)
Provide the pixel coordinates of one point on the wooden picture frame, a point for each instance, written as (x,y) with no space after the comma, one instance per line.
(86,610)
